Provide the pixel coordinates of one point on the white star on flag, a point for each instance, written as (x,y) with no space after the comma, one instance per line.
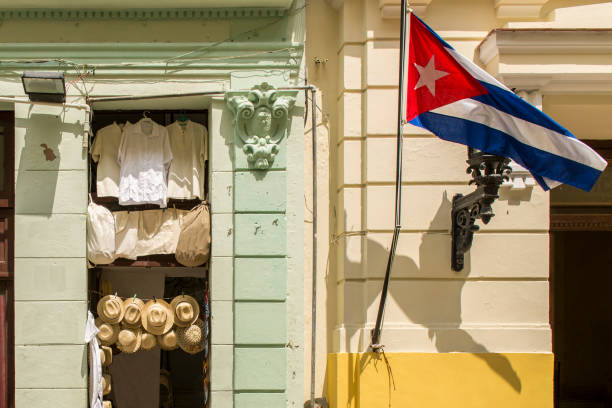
(428,75)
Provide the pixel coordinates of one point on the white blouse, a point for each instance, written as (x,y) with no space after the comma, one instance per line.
(104,152)
(189,144)
(144,156)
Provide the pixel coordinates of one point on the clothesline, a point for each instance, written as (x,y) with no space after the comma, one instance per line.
(135,296)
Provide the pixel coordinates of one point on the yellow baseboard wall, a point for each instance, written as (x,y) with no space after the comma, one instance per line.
(440,380)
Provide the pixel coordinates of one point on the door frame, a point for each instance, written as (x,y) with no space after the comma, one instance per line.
(7,242)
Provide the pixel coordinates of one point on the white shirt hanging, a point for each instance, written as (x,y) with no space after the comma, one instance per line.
(189,144)
(104,152)
(95,364)
(144,156)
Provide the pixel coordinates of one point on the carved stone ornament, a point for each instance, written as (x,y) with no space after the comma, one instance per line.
(260,121)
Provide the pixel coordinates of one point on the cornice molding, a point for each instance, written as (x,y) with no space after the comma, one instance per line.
(141,13)
(519,9)
(504,41)
(201,59)
(392,8)
(551,60)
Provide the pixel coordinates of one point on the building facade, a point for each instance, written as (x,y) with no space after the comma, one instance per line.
(217,61)
(507,331)
(498,333)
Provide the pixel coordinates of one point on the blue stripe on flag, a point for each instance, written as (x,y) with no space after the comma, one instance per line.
(493,141)
(513,105)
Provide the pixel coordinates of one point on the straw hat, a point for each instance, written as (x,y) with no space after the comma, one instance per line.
(168,341)
(132,311)
(157,317)
(106,355)
(107,333)
(186,310)
(147,341)
(192,339)
(110,309)
(129,340)
(106,384)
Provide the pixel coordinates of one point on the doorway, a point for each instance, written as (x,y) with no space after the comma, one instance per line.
(580,287)
(166,374)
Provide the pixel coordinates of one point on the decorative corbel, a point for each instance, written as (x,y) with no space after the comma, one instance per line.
(488,173)
(261,117)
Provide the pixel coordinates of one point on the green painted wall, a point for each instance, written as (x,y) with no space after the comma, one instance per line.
(257,251)
(50,263)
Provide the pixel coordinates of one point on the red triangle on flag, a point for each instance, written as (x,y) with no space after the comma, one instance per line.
(435,78)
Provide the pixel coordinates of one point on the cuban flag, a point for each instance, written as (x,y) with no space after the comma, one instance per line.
(458,101)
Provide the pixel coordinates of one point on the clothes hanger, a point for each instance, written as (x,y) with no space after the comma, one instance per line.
(145,116)
(182,119)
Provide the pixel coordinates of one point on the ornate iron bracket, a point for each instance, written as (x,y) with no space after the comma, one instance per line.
(261,117)
(488,173)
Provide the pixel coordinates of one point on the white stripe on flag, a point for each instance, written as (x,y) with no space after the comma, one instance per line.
(477,72)
(524,131)
(551,183)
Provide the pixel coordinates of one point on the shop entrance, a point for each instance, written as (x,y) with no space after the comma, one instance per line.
(169,373)
(580,281)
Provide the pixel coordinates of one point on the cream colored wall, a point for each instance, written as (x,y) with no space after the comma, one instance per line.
(321,31)
(499,303)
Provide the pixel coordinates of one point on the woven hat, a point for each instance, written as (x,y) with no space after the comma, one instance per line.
(128,340)
(107,333)
(147,341)
(168,341)
(192,339)
(157,317)
(110,309)
(132,312)
(186,310)
(106,384)
(106,355)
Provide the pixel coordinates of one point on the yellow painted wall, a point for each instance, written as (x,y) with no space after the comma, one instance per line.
(440,380)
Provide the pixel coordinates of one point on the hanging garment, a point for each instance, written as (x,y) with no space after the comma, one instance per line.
(104,152)
(149,232)
(126,233)
(189,144)
(158,231)
(100,234)
(144,156)
(95,364)
(193,247)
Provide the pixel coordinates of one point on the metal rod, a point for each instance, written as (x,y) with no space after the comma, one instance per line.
(398,183)
(83,106)
(176,95)
(313,94)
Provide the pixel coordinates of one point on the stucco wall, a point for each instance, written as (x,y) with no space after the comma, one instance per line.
(256,277)
(499,303)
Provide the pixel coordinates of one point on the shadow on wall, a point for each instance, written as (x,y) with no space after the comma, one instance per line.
(432,303)
(39,160)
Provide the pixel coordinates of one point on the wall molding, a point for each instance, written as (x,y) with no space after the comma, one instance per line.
(142,13)
(152,59)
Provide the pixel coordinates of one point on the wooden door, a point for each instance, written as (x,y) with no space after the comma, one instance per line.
(7,176)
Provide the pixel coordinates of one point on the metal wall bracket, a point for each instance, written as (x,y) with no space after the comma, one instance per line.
(488,173)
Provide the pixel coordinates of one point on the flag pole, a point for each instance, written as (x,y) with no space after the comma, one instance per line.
(401,112)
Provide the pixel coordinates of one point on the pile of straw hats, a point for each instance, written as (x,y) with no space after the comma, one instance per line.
(133,325)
